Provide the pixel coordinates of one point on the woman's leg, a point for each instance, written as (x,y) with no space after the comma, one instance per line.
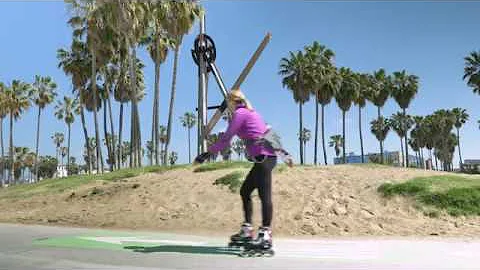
(264,180)
(246,190)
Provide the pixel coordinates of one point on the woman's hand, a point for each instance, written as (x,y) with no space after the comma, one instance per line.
(201,158)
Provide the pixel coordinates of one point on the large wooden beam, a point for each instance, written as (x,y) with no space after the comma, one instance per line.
(241,78)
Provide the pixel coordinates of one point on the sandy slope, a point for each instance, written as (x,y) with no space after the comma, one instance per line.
(323,201)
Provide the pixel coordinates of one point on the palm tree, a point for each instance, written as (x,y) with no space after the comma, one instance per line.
(43,93)
(58,139)
(380,128)
(472,71)
(75,62)
(173,157)
(162,137)
(238,146)
(19,164)
(150,150)
(158,45)
(305,137)
(294,71)
(63,153)
(29,163)
(178,23)
(111,75)
(405,88)
(320,72)
(129,21)
(461,117)
(90,21)
(3,114)
(89,152)
(364,84)
(331,86)
(16,101)
(84,22)
(188,122)
(65,111)
(336,141)
(419,135)
(401,124)
(347,93)
(413,142)
(381,87)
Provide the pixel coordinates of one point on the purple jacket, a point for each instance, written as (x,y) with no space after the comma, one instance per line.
(245,124)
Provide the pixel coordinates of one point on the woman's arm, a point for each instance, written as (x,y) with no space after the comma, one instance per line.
(232,130)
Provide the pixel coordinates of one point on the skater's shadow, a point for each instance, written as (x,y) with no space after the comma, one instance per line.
(185,249)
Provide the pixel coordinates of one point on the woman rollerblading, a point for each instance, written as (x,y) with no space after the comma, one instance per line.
(262,146)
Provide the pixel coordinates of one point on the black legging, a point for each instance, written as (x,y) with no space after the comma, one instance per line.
(260,176)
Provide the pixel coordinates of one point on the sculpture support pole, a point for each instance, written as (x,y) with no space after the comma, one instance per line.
(202,97)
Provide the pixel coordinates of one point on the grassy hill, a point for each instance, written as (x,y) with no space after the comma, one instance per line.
(347,200)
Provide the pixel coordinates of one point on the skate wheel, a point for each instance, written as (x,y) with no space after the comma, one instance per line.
(245,253)
(270,253)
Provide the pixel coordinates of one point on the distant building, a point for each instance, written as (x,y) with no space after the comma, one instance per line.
(471,165)
(393,158)
(61,171)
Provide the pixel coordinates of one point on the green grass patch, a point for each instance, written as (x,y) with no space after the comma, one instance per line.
(280,168)
(222,165)
(232,180)
(455,194)
(59,185)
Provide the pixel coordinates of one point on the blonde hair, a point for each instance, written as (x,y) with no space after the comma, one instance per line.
(237,96)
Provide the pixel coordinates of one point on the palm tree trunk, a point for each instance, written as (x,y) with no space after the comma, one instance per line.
(459,151)
(189,153)
(105,134)
(172,98)
(422,159)
(360,131)
(68,149)
(155,138)
(85,134)
(120,127)
(152,152)
(36,144)
(316,132)
(416,159)
(300,132)
(135,116)
(381,142)
(402,163)
(112,132)
(436,163)
(56,153)
(12,156)
(343,138)
(305,151)
(132,137)
(2,158)
(138,136)
(95,103)
(323,135)
(406,143)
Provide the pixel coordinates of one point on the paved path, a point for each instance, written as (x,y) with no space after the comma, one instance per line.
(39,247)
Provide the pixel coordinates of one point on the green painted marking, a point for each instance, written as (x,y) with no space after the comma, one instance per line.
(131,242)
(75,242)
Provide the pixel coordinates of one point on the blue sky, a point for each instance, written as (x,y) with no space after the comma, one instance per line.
(428,39)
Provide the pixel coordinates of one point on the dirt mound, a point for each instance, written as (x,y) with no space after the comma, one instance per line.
(323,201)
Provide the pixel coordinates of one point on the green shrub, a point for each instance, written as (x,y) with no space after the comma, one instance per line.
(232,180)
